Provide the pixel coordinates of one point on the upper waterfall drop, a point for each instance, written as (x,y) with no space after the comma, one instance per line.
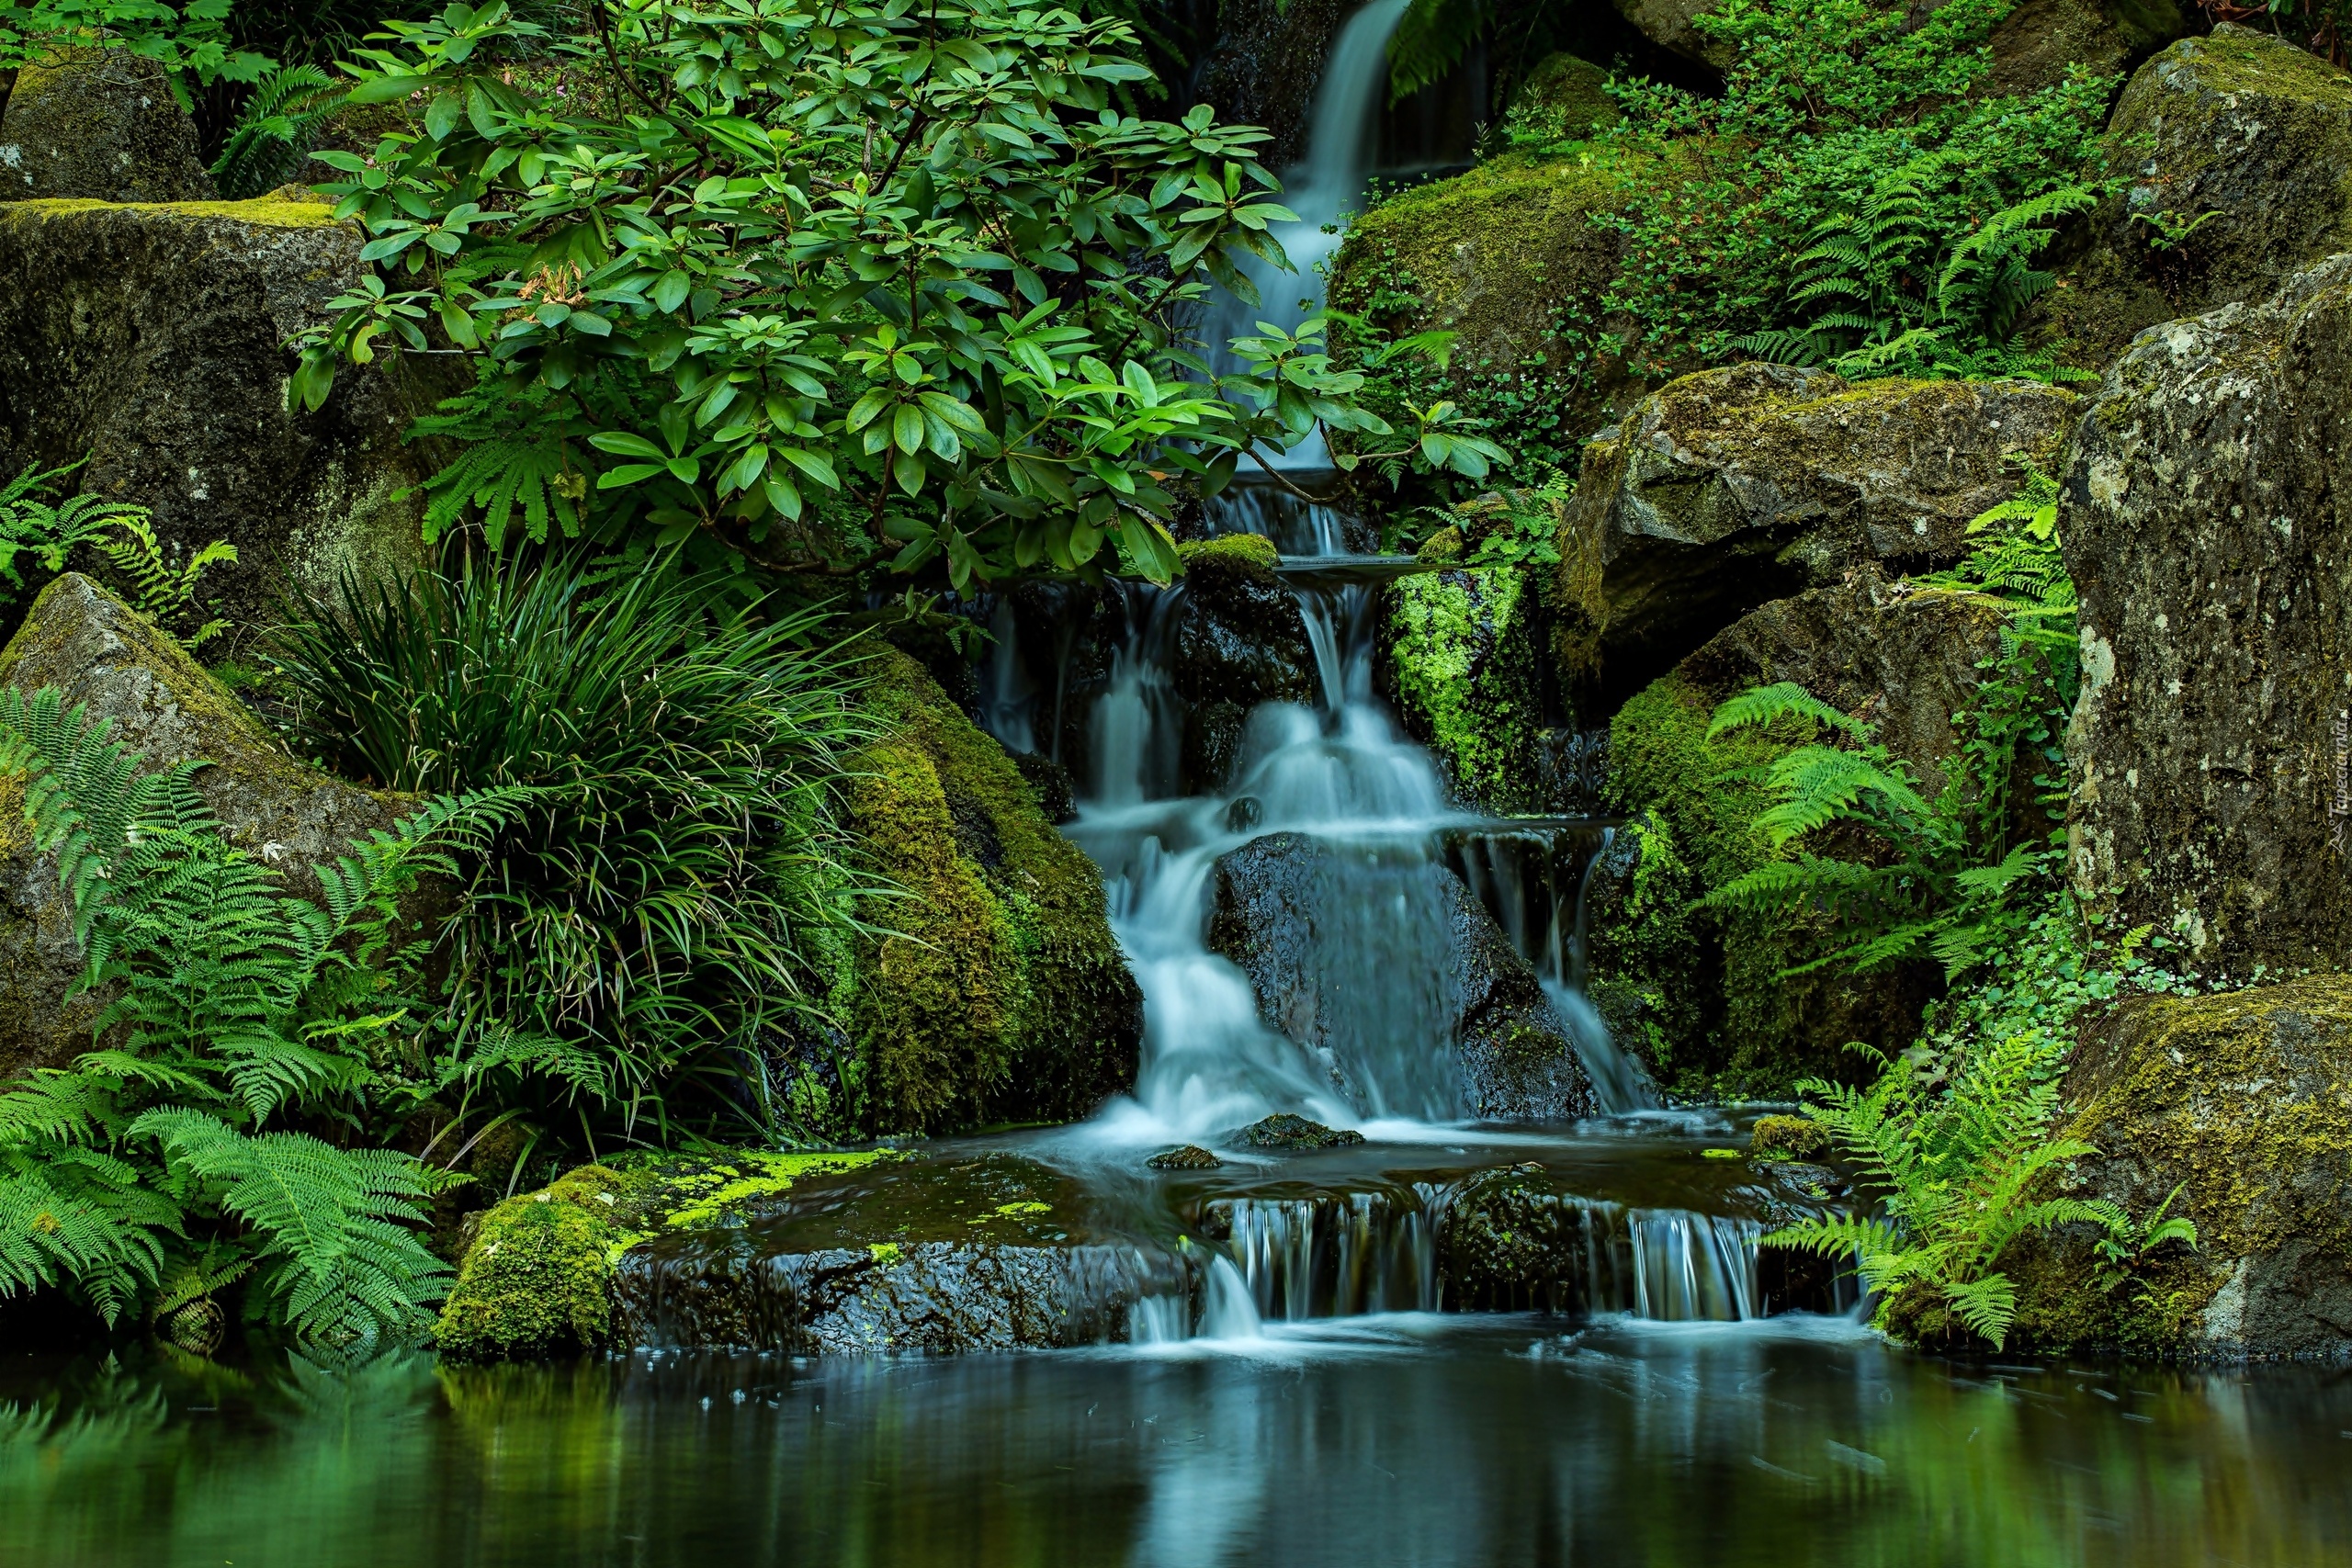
(1322,190)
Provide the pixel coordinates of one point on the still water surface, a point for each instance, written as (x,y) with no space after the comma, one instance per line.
(1404,1439)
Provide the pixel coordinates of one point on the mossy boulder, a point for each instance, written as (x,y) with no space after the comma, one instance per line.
(101,124)
(2243,1102)
(2040,41)
(962,1252)
(2208,527)
(1699,993)
(1466,668)
(1787,1138)
(537,1274)
(151,340)
(1514,258)
(100,653)
(2240,144)
(998,994)
(1316,928)
(1566,94)
(1733,487)
(1238,639)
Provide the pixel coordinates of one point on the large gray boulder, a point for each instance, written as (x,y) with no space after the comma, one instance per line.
(101,125)
(151,341)
(2241,134)
(1317,927)
(99,652)
(1728,489)
(2238,1102)
(2207,527)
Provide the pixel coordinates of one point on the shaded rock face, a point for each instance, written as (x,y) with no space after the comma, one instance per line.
(2243,1101)
(1734,487)
(1318,932)
(2036,44)
(1000,994)
(151,340)
(1699,992)
(984,1255)
(1241,640)
(102,126)
(1466,666)
(99,652)
(2241,125)
(1268,60)
(2207,527)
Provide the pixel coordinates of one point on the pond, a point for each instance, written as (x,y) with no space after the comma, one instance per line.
(1392,1439)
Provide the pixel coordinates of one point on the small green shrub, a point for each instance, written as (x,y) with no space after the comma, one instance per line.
(675,902)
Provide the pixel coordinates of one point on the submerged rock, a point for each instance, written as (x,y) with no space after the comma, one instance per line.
(1000,994)
(151,340)
(1377,959)
(2242,1102)
(2240,145)
(100,653)
(2209,532)
(1284,1131)
(1731,488)
(942,1257)
(1185,1157)
(101,125)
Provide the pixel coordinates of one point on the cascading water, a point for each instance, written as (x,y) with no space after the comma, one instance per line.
(1321,191)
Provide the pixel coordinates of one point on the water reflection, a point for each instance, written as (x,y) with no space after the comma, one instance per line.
(1404,1439)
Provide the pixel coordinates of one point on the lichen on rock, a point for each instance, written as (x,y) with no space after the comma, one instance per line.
(2241,1101)
(998,992)
(102,124)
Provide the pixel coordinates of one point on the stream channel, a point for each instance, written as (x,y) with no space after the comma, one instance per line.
(1277,1359)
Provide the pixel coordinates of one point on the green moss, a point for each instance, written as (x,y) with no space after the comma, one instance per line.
(1787,1137)
(270,211)
(536,1280)
(2243,1101)
(1251,551)
(1000,994)
(1465,659)
(1566,94)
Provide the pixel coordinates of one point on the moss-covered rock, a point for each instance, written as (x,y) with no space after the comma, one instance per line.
(2040,41)
(2208,528)
(1509,257)
(1787,1138)
(1730,488)
(99,652)
(2239,139)
(1466,653)
(101,124)
(1001,994)
(537,1277)
(2242,1102)
(151,340)
(1567,96)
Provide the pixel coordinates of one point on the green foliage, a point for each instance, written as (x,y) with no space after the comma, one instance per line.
(1852,158)
(1954,1166)
(675,904)
(190,40)
(118,531)
(271,139)
(825,287)
(233,1004)
(1861,276)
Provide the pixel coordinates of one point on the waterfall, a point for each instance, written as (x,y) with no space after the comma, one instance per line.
(1322,190)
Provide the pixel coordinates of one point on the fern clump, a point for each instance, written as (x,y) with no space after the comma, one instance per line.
(183,1151)
(115,529)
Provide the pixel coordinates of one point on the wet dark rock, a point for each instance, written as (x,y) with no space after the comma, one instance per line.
(2209,531)
(2242,1102)
(1186,1157)
(941,1256)
(151,340)
(1243,813)
(101,654)
(2241,125)
(1056,791)
(1239,637)
(1284,1131)
(1731,488)
(1268,59)
(99,125)
(1317,930)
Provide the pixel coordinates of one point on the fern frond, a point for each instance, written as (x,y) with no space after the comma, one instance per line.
(1764,704)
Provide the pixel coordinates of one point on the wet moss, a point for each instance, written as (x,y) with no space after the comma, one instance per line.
(1248,552)
(998,994)
(273,211)
(1787,1138)
(1464,662)
(536,1281)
